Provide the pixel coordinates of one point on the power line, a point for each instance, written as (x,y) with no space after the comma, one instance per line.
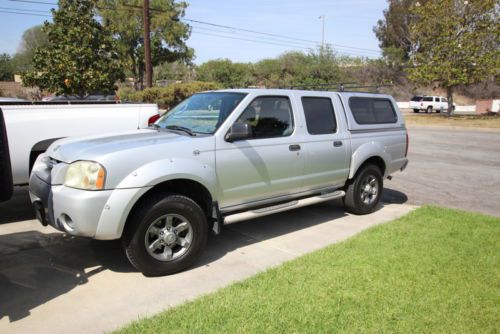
(261,41)
(33,1)
(281,39)
(24,10)
(20,13)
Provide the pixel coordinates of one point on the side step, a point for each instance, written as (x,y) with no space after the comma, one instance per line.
(282,207)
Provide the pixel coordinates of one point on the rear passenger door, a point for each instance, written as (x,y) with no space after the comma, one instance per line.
(325,143)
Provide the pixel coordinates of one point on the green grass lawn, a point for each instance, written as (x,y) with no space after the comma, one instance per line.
(434,270)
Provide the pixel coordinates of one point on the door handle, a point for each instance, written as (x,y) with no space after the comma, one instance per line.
(337,143)
(294,147)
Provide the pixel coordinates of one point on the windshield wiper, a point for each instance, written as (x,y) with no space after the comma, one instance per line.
(181,128)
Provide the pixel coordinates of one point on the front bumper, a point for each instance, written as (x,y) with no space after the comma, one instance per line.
(74,211)
(95,214)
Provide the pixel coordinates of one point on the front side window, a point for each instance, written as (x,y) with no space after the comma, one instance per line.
(269,116)
(202,112)
(320,117)
(372,110)
(444,99)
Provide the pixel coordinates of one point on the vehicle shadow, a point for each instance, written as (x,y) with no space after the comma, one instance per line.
(36,267)
(18,208)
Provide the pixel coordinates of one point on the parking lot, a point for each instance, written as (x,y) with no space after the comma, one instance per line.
(47,278)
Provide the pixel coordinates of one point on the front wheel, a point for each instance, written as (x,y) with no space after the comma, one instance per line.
(166,235)
(364,191)
(429,110)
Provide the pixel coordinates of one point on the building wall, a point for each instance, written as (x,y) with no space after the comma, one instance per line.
(11,89)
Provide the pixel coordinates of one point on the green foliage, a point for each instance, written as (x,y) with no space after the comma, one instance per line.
(227,73)
(174,71)
(168,33)
(33,38)
(80,57)
(171,95)
(434,270)
(393,31)
(6,67)
(455,42)
(291,68)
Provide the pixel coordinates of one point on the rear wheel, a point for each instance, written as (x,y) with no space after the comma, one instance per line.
(364,191)
(416,110)
(165,236)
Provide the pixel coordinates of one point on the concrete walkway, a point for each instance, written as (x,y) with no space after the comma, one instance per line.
(51,283)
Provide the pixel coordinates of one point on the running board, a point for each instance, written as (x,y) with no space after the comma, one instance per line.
(282,207)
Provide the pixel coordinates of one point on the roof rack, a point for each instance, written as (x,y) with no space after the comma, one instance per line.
(340,86)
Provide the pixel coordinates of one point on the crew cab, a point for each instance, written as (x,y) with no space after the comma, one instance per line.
(218,157)
(27,129)
(429,104)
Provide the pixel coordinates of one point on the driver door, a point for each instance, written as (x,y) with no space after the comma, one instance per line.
(267,165)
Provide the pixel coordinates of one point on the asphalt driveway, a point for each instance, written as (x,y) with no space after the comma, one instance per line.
(452,168)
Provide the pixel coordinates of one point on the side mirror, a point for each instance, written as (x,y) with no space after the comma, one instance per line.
(238,131)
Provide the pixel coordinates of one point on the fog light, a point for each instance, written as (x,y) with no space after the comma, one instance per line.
(67,222)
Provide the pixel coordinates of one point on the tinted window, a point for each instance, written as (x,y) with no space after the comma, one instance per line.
(320,117)
(416,98)
(436,99)
(372,110)
(428,98)
(269,116)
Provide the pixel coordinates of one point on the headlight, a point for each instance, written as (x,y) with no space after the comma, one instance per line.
(87,175)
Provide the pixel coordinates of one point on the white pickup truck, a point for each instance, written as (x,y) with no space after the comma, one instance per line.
(27,130)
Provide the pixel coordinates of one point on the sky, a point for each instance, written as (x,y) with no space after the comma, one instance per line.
(348,26)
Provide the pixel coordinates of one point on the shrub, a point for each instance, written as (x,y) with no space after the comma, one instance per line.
(171,95)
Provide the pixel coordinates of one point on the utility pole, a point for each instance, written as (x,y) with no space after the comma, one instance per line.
(147,45)
(322,17)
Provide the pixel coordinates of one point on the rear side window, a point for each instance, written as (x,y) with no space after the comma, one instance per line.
(428,98)
(372,110)
(436,99)
(320,116)
(416,98)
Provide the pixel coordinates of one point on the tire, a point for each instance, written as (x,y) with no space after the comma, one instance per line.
(185,242)
(428,110)
(6,182)
(416,110)
(355,200)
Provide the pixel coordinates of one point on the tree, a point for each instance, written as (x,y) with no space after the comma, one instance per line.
(168,33)
(33,38)
(456,42)
(80,57)
(225,72)
(6,67)
(393,31)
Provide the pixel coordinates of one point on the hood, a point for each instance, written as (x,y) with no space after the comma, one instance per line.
(94,147)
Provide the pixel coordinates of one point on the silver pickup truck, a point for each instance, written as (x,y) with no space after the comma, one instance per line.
(218,157)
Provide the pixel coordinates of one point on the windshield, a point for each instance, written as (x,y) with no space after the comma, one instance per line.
(201,113)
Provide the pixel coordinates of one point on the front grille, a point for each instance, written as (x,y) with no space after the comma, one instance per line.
(6,185)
